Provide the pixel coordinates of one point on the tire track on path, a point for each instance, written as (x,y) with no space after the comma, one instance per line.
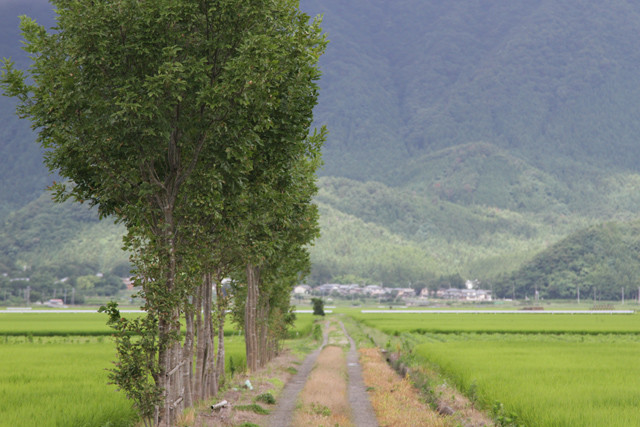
(361,409)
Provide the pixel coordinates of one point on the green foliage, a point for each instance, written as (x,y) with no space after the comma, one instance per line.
(318,306)
(317,332)
(598,262)
(319,409)
(504,73)
(136,370)
(266,398)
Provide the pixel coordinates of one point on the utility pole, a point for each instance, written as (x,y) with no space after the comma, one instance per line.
(623,295)
(579,294)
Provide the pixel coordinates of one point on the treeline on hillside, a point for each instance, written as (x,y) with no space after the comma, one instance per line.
(50,250)
(601,261)
(552,82)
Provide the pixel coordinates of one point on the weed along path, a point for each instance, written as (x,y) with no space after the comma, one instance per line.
(328,389)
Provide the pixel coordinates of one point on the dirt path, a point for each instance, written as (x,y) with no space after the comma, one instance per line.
(363,415)
(361,409)
(283,414)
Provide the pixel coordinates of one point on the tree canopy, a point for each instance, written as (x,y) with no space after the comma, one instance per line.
(187,121)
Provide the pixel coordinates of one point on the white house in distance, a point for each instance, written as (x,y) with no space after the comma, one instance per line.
(464,294)
(302,290)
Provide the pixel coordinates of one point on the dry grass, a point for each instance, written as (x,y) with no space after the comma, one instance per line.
(324,399)
(395,401)
(465,413)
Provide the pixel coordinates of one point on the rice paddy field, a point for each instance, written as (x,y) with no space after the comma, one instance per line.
(53,369)
(533,370)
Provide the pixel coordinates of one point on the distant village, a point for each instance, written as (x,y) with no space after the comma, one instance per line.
(354,291)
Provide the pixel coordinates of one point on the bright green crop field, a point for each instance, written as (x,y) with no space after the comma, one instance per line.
(59,382)
(53,369)
(538,370)
(547,381)
(505,323)
(533,370)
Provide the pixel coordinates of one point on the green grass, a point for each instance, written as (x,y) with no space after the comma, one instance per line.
(502,323)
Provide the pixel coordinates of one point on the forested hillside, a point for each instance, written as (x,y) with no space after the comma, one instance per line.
(553,82)
(22,175)
(464,137)
(601,263)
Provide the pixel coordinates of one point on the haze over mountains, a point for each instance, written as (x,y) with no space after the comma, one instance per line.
(465,137)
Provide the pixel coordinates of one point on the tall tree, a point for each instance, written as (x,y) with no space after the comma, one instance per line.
(135,100)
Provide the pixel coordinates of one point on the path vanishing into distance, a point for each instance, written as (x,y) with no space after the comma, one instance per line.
(361,409)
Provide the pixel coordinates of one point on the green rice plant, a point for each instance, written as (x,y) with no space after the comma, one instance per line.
(442,323)
(235,356)
(545,382)
(302,326)
(60,384)
(53,324)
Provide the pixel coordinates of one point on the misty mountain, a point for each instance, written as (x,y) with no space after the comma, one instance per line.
(465,137)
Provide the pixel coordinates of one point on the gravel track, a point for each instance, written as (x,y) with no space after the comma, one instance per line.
(283,414)
(363,415)
(361,409)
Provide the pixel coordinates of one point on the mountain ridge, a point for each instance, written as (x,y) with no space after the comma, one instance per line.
(464,137)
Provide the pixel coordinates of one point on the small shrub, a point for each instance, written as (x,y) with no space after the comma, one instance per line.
(266,398)
(317,333)
(318,409)
(318,306)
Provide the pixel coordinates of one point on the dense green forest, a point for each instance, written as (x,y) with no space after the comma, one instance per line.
(464,138)
(600,262)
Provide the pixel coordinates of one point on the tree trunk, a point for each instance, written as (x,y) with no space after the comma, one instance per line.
(168,310)
(198,391)
(221,303)
(187,356)
(211,379)
(250,324)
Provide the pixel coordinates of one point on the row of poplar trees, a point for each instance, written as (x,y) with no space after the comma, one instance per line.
(189,121)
